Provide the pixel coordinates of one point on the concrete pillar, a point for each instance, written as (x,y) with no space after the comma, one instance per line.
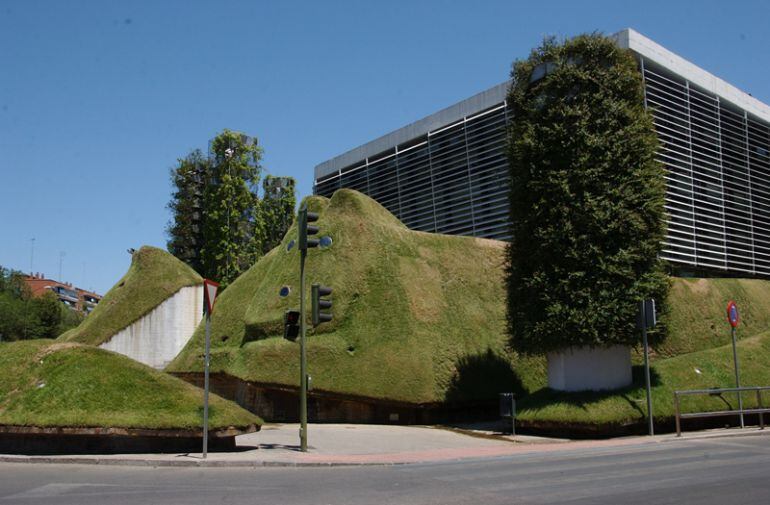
(590,369)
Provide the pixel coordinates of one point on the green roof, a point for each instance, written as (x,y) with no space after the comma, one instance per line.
(417,316)
(153,277)
(54,384)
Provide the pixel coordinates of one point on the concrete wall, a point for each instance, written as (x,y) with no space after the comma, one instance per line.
(584,368)
(157,338)
(277,403)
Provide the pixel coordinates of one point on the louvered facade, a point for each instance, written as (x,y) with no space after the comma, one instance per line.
(718,176)
(448,172)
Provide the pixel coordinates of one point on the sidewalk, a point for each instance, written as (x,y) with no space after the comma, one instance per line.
(348,444)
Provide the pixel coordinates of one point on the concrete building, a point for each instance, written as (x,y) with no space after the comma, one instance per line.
(448,173)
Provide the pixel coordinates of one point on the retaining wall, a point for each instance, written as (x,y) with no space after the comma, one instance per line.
(160,335)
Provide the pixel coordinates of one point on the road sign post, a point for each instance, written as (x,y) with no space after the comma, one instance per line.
(733,317)
(647,319)
(209,297)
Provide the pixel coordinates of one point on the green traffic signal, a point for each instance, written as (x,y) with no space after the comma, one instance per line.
(318,304)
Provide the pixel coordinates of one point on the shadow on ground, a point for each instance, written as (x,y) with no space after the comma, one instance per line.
(482,377)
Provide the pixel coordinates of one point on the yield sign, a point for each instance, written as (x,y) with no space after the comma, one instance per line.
(209,295)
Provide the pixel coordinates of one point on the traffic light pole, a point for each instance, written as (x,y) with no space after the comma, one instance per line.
(302,354)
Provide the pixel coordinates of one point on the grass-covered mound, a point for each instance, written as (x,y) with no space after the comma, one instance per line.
(418,317)
(712,368)
(52,384)
(154,276)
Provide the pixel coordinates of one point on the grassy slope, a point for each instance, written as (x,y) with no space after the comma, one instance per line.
(48,384)
(698,312)
(154,276)
(698,337)
(677,373)
(452,344)
(417,316)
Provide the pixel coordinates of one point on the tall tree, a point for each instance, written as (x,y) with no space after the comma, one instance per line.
(278,202)
(232,227)
(586,198)
(185,230)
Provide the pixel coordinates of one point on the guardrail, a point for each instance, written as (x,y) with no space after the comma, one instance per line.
(760,410)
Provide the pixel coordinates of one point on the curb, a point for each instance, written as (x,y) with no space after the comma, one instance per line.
(750,432)
(187,463)
(191,464)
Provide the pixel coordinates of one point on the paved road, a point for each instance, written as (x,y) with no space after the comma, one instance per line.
(705,471)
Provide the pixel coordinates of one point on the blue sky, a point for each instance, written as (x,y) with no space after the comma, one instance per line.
(98,99)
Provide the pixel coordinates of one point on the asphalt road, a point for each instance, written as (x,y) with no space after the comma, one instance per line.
(706,471)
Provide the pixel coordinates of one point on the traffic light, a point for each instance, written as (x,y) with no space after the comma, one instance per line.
(318,304)
(306,229)
(291,325)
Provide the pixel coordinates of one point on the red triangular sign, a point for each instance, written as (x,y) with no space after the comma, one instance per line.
(209,295)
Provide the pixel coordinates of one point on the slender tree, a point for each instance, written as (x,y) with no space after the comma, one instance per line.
(278,202)
(232,227)
(586,198)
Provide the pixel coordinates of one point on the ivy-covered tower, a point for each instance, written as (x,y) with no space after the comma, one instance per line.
(586,208)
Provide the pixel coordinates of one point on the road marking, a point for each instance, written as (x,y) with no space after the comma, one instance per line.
(49,490)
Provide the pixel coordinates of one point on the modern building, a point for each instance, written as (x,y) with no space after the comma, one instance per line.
(448,173)
(75,298)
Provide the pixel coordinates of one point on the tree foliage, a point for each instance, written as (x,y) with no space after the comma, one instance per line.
(278,202)
(218,225)
(23,316)
(586,197)
(232,227)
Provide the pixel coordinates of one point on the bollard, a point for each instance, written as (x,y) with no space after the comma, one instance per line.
(676,410)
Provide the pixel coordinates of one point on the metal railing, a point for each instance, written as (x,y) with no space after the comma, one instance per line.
(760,410)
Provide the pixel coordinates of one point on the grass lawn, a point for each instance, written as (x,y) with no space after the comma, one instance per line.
(45,383)
(712,368)
(154,276)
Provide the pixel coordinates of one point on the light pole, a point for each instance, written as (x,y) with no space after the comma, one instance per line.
(32,256)
(62,254)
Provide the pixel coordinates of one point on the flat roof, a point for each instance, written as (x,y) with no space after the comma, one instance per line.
(456,112)
(650,50)
(627,39)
